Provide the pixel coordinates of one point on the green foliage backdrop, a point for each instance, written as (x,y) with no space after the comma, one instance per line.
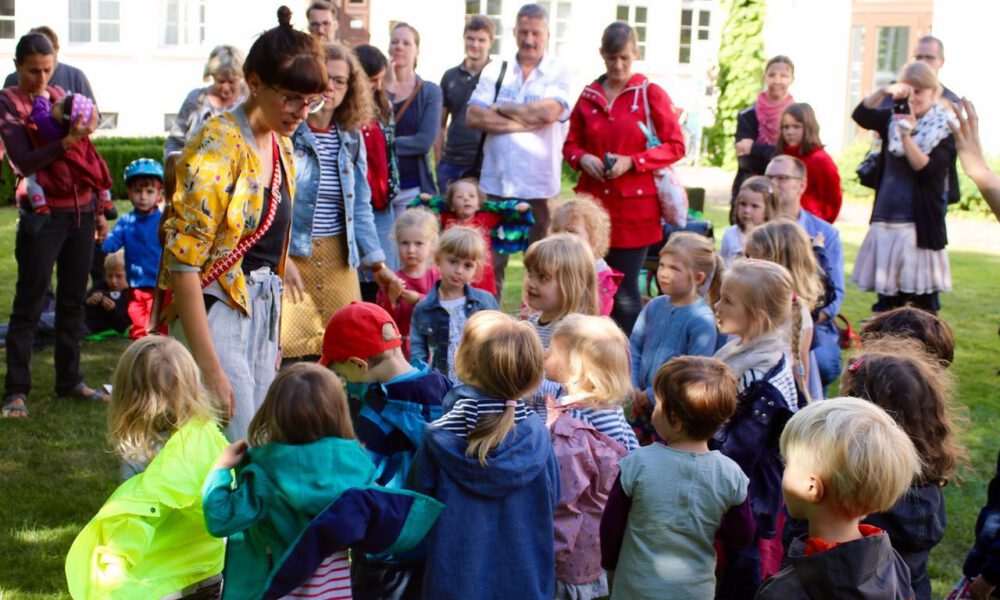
(740,72)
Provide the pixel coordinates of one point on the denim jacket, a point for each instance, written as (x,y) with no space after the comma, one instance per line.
(353,168)
(429,324)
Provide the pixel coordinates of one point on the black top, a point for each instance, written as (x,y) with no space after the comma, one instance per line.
(462,143)
(269,248)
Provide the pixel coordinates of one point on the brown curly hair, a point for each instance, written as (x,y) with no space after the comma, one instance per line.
(899,376)
(356,109)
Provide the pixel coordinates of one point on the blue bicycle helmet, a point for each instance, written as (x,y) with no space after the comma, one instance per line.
(144,166)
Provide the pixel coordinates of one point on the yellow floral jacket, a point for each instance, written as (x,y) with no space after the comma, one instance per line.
(219,199)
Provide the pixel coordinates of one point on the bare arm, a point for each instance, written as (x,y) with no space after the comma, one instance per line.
(490,121)
(875,98)
(533,114)
(970,152)
(194,320)
(914,155)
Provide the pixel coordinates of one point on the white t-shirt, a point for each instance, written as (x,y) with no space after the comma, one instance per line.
(456,323)
(733,243)
(526,164)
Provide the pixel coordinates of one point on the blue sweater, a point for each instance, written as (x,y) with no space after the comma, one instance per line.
(138,234)
(664,331)
(495,536)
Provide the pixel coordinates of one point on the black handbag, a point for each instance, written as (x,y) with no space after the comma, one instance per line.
(867,170)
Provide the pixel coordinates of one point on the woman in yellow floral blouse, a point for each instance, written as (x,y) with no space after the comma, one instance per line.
(227,232)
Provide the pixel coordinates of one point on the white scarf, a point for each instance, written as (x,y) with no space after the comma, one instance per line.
(761,353)
(928,132)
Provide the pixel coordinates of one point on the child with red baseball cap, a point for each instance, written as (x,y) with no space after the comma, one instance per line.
(362,344)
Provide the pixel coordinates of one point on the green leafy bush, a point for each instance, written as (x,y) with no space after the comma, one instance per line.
(117,152)
(740,72)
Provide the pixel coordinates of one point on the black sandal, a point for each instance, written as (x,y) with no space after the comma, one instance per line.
(14,407)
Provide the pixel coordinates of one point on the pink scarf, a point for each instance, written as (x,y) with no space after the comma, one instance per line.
(769,118)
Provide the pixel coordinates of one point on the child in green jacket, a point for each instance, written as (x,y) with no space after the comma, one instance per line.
(149,538)
(304,495)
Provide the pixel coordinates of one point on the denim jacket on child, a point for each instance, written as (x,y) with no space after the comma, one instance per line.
(359,224)
(430,322)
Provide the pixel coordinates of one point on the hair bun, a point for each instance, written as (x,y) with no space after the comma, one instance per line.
(284,16)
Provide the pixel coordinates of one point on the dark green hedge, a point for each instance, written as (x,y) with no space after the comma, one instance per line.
(117,152)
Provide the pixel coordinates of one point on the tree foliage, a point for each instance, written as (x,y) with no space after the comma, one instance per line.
(738,76)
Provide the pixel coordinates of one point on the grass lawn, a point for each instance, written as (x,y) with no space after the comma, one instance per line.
(56,469)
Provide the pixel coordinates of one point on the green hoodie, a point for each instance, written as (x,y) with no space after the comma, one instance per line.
(149,538)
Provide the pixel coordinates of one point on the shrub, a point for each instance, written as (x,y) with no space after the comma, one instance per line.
(117,152)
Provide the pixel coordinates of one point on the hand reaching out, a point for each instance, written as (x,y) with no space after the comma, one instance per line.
(232,455)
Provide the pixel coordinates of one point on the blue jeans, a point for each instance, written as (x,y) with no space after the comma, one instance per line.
(827,351)
(449,172)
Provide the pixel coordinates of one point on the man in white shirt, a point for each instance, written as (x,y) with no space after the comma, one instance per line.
(525,124)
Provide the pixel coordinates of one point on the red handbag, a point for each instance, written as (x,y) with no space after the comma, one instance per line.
(848,337)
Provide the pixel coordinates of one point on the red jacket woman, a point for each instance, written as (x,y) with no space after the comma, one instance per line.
(799,137)
(605,123)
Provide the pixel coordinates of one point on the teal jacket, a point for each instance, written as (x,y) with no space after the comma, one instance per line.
(293,506)
(149,538)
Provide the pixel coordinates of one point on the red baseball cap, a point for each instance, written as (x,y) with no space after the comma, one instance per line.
(360,329)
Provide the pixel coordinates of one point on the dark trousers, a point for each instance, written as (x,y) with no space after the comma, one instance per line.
(740,577)
(628,298)
(540,210)
(929,302)
(65,241)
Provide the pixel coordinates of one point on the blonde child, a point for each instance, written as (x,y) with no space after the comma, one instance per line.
(465,204)
(491,462)
(304,495)
(588,219)
(589,357)
(680,322)
(755,305)
(559,279)
(416,234)
(756,203)
(846,458)
(438,319)
(783,241)
(899,377)
(656,535)
(149,538)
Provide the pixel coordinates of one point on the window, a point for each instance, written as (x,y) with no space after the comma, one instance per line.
(492,9)
(637,17)
(689,30)
(855,68)
(891,52)
(7,19)
(559,13)
(94,20)
(185,23)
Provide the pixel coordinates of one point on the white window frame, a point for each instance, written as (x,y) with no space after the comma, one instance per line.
(189,23)
(96,22)
(695,30)
(9,19)
(641,27)
(559,25)
(481,6)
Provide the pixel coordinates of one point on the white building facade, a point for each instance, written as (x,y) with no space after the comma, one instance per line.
(143,56)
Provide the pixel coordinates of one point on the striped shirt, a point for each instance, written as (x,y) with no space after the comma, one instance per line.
(330,581)
(328,218)
(609,421)
(536,401)
(465,415)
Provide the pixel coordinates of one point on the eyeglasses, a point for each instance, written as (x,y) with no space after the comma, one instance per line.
(295,103)
(339,82)
(924,57)
(782,178)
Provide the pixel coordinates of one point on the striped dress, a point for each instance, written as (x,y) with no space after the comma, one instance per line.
(609,421)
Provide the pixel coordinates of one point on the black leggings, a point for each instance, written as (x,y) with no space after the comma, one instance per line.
(628,299)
